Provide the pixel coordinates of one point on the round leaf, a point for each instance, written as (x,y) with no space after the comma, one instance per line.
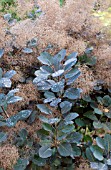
(27,50)
(71,116)
(58,73)
(44,109)
(65,106)
(65,149)
(1,52)
(45,151)
(5,82)
(45,58)
(9,74)
(3,137)
(21,164)
(72,93)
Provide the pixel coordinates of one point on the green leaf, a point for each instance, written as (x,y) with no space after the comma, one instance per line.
(72,93)
(107,100)
(21,164)
(44,85)
(59,86)
(45,151)
(88,138)
(57,162)
(61,55)
(100,142)
(108,114)
(1,73)
(46,69)
(45,142)
(12,92)
(9,74)
(61,2)
(89,155)
(2,124)
(91,61)
(76,150)
(58,58)
(71,56)
(90,115)
(97,125)
(32,117)
(1,52)
(40,76)
(89,50)
(1,169)
(5,82)
(23,134)
(72,79)
(53,120)
(14,99)
(68,128)
(2,99)
(69,63)
(80,122)
(47,127)
(74,137)
(3,137)
(107,142)
(49,121)
(108,124)
(44,109)
(49,95)
(94,165)
(45,58)
(65,106)
(43,119)
(42,134)
(39,161)
(55,102)
(98,111)
(109,161)
(22,115)
(72,73)
(98,166)
(65,149)
(87,98)
(100,100)
(97,152)
(58,73)
(1,118)
(71,116)
(27,50)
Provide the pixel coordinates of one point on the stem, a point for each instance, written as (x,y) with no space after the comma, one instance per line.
(56,135)
(5,112)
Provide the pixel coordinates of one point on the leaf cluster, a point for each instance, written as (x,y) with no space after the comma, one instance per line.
(100,154)
(58,136)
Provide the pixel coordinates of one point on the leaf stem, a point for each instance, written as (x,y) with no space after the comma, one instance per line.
(4,112)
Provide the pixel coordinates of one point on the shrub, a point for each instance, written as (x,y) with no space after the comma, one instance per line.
(7,3)
(58,136)
(6,99)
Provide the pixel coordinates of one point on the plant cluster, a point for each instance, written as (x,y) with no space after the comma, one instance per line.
(7,3)
(36,12)
(71,131)
(5,99)
(58,136)
(61,2)
(72,126)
